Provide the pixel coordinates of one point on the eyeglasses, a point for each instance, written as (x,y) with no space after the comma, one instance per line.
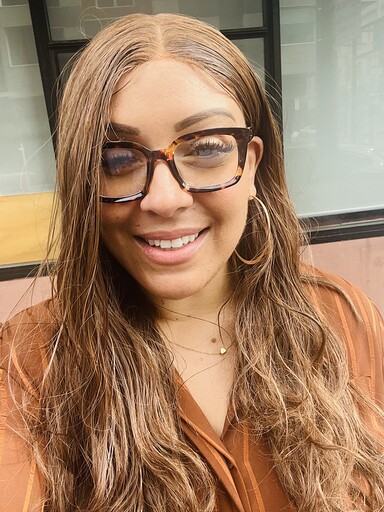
(202,161)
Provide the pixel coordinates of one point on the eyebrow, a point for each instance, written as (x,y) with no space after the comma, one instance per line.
(201,116)
(124,130)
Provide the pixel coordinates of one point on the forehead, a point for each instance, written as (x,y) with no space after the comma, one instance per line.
(161,93)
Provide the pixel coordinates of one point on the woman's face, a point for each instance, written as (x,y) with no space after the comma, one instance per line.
(154,104)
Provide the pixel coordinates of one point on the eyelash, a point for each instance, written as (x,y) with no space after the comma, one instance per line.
(203,145)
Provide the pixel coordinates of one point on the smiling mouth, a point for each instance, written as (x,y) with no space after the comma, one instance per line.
(175,243)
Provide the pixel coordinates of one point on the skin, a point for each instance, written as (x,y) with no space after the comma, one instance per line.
(154,104)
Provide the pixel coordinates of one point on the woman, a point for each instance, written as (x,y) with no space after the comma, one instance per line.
(189,361)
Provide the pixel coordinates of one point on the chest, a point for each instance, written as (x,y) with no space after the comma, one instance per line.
(210,384)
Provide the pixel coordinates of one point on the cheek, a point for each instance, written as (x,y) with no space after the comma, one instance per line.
(116,213)
(115,218)
(233,207)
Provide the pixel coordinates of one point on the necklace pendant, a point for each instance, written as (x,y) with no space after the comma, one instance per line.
(223,351)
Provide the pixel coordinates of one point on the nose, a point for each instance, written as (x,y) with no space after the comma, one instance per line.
(165,196)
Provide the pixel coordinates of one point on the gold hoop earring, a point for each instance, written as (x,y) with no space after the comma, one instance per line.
(261,257)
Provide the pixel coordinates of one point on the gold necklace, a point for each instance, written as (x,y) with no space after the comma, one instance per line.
(221,352)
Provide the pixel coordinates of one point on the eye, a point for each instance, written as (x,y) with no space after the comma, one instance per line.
(206,152)
(122,161)
(210,147)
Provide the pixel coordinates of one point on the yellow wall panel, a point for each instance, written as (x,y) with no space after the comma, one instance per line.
(24,223)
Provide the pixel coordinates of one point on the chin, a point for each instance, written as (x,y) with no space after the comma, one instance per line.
(171,292)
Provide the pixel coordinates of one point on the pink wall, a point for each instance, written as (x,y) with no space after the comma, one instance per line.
(360,261)
(21,293)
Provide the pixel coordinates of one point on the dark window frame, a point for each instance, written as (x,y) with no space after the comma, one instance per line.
(321,229)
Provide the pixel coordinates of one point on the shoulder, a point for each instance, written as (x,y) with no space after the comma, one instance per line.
(38,316)
(24,339)
(345,306)
(352,316)
(34,324)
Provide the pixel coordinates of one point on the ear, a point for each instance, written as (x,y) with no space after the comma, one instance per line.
(254,156)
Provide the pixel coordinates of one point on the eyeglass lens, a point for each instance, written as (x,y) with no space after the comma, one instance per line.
(201,162)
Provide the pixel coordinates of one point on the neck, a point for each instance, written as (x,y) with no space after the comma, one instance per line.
(200,320)
(205,305)
(206,326)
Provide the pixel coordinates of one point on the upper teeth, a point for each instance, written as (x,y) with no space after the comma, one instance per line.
(173,244)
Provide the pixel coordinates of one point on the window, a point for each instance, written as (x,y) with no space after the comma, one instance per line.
(333,110)
(20,50)
(71,20)
(27,169)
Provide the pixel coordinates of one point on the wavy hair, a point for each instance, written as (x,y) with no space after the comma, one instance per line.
(109,436)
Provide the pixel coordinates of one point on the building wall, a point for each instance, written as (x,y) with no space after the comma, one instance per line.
(360,261)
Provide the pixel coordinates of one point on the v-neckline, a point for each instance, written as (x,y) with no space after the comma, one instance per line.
(194,414)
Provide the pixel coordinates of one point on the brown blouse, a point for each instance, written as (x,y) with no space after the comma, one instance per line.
(247,481)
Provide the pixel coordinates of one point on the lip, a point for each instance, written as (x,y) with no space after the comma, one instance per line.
(175,256)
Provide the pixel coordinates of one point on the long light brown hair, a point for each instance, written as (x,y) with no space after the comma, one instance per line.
(108,433)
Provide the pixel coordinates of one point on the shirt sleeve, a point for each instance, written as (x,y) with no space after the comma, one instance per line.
(356,321)
(366,353)
(20,488)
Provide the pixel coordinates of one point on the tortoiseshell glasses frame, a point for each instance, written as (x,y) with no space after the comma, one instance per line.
(242,136)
